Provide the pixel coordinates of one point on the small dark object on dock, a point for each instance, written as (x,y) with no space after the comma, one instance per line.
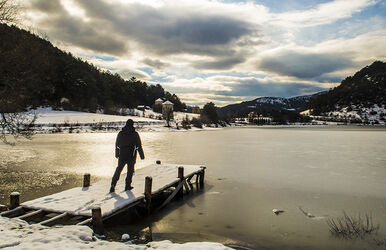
(14,200)
(86,180)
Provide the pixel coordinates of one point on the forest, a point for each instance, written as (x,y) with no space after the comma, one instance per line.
(35,73)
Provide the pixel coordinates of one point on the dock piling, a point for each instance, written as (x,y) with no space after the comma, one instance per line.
(86,180)
(14,200)
(181,177)
(148,185)
(97,224)
(202,177)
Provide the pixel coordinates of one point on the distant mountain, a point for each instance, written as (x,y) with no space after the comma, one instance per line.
(266,104)
(35,73)
(366,89)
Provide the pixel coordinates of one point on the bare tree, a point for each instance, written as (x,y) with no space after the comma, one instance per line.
(16,125)
(8,11)
(14,121)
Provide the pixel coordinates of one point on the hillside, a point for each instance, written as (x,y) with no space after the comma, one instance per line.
(360,98)
(366,88)
(266,104)
(35,73)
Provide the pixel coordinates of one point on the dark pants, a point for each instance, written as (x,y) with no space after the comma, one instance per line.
(122,161)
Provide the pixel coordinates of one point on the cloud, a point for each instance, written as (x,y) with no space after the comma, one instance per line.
(165,31)
(158,64)
(129,73)
(304,65)
(324,13)
(222,63)
(251,88)
(224,51)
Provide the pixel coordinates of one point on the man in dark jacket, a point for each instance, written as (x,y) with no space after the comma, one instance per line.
(126,147)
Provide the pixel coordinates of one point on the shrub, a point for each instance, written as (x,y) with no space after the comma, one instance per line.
(196,123)
(350,227)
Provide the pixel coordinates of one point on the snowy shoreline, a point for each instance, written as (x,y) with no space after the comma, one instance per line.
(18,234)
(57,121)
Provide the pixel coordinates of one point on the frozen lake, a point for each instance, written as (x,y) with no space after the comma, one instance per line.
(250,171)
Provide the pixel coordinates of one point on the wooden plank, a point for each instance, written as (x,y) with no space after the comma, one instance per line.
(14,212)
(85,222)
(186,186)
(55,220)
(33,215)
(172,195)
(78,201)
(122,209)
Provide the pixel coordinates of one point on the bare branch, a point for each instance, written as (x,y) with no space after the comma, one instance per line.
(8,11)
(16,125)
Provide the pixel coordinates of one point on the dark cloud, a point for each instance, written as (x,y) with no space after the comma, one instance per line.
(52,6)
(158,64)
(222,63)
(165,31)
(304,65)
(255,87)
(74,31)
(251,88)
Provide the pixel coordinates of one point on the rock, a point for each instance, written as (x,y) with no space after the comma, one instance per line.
(125,237)
(277,211)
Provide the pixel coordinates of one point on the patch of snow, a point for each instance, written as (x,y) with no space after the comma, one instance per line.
(125,237)
(18,234)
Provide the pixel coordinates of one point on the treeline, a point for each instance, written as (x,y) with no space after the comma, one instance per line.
(367,87)
(35,73)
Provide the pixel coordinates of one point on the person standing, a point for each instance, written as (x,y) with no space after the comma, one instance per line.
(126,146)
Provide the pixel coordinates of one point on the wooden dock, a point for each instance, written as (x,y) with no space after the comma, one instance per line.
(93,203)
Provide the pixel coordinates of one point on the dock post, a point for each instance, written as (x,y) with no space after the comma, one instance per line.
(181,177)
(14,200)
(148,184)
(86,180)
(97,224)
(202,176)
(158,162)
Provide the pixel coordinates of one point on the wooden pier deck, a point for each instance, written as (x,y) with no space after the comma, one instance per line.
(82,204)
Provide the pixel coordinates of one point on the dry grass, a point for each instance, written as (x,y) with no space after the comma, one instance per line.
(350,227)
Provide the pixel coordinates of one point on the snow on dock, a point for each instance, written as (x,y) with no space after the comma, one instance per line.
(80,200)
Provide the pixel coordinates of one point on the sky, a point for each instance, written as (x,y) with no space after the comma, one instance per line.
(220,51)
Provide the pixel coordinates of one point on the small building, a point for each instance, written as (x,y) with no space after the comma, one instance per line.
(255,118)
(196,110)
(167,110)
(157,106)
(159,101)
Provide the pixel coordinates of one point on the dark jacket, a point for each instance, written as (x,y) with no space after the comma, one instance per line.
(128,143)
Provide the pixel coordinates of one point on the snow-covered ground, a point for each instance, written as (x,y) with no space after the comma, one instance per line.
(374,115)
(47,116)
(57,121)
(18,234)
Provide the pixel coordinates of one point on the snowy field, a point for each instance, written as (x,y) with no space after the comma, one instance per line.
(63,121)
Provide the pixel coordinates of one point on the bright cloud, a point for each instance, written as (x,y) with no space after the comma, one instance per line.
(215,50)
